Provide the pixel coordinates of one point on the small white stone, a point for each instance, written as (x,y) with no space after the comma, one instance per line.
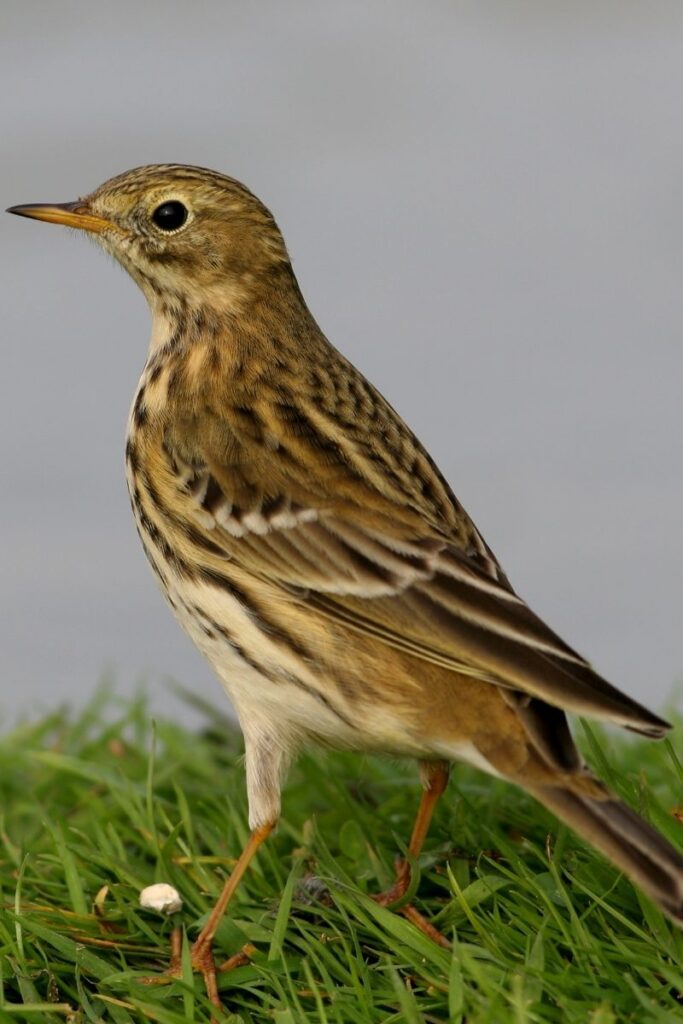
(161,897)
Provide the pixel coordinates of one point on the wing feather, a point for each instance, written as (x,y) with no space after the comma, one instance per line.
(414,575)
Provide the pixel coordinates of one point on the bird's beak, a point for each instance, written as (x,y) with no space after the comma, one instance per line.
(73,215)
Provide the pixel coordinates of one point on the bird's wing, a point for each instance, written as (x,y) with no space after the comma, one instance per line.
(362,527)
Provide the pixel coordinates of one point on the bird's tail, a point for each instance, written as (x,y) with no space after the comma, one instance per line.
(625,838)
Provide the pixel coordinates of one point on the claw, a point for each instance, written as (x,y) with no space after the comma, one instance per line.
(396,892)
(203,962)
(237,959)
(434,778)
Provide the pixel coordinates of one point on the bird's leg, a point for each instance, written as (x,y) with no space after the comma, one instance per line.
(202,949)
(266,758)
(434,775)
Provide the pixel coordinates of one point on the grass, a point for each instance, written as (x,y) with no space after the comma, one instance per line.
(97,806)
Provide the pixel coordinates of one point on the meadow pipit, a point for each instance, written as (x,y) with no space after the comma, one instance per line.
(313,551)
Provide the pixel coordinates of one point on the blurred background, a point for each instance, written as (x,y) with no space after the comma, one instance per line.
(484,204)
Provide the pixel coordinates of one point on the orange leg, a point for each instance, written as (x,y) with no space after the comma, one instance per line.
(202,952)
(434,779)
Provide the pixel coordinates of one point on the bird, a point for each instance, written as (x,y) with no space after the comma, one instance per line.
(316,555)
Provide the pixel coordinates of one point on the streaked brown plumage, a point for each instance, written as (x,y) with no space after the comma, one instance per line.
(312,549)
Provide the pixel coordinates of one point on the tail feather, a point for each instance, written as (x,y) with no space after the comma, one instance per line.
(626,839)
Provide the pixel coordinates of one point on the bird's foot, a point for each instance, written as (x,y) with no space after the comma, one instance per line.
(398,890)
(202,962)
(395,893)
(201,952)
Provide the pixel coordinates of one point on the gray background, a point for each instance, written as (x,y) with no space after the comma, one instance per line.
(483,202)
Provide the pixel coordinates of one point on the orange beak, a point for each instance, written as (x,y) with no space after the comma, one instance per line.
(73,215)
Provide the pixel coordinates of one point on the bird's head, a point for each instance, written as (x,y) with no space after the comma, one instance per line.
(185,234)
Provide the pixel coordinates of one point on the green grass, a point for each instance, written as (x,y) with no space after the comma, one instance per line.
(542,929)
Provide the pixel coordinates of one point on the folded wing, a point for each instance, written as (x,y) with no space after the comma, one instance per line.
(333,521)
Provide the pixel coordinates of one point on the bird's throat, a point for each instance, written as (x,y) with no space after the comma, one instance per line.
(164,327)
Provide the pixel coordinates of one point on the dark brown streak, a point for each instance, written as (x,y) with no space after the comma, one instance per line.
(139,409)
(256,612)
(367,567)
(237,647)
(202,541)
(132,455)
(155,371)
(300,425)
(213,497)
(272,506)
(249,420)
(182,567)
(269,628)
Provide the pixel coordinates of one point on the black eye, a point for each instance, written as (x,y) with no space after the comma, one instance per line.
(170,216)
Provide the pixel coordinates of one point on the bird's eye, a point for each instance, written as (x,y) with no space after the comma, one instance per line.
(170,216)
